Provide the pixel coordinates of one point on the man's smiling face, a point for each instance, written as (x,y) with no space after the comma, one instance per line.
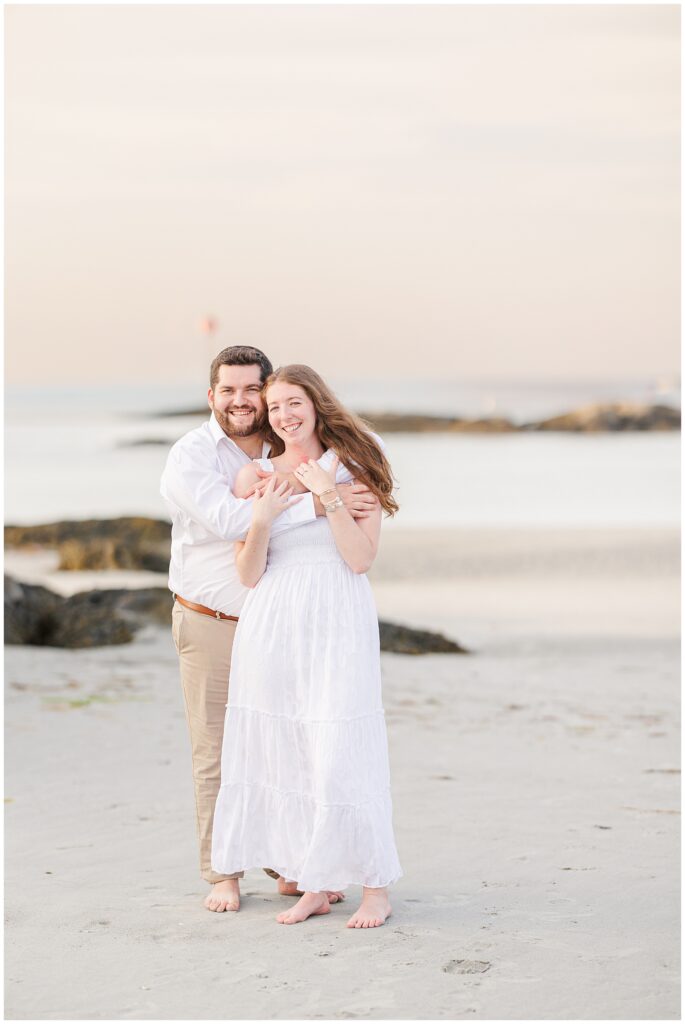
(237,402)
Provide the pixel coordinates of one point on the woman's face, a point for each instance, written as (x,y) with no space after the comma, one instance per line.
(291,412)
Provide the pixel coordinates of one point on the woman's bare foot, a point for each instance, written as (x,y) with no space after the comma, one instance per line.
(310,904)
(290,889)
(374,910)
(224,896)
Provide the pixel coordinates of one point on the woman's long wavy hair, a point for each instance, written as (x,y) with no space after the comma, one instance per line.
(337,428)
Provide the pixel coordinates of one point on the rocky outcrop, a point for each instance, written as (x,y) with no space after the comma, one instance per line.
(601,417)
(393,423)
(130,542)
(111,554)
(126,529)
(96,618)
(29,612)
(404,640)
(611,417)
(592,418)
(99,618)
(141,442)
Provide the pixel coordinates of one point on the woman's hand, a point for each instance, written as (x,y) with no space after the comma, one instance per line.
(316,479)
(268,505)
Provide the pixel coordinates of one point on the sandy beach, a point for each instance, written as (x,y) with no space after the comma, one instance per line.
(536,800)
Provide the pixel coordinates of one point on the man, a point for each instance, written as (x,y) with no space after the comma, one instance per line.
(206,520)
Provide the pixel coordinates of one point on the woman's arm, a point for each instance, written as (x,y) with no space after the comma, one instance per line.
(250,554)
(356,539)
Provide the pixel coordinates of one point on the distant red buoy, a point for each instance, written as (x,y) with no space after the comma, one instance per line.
(209,325)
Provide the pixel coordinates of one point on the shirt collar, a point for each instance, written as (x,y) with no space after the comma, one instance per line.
(218,435)
(216,431)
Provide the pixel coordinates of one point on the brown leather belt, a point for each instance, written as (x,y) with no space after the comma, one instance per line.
(204,611)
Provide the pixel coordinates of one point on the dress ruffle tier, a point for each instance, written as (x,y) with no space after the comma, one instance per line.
(321,832)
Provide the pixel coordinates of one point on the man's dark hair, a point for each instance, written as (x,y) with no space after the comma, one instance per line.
(240,355)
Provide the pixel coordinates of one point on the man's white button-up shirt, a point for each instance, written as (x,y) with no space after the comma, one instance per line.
(207,518)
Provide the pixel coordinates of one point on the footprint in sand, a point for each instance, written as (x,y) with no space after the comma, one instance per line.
(467,966)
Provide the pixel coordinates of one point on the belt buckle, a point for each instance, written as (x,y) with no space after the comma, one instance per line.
(218,614)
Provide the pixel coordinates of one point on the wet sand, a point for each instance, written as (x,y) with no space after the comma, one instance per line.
(535,786)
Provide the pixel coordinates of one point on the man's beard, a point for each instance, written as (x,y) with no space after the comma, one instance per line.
(234,427)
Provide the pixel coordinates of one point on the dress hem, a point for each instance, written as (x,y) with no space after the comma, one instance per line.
(292,876)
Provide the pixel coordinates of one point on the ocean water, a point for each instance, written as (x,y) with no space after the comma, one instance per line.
(519,400)
(72,459)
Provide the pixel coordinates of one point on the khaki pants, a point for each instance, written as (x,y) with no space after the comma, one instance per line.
(204,646)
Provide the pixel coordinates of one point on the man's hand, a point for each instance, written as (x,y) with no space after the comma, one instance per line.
(359,501)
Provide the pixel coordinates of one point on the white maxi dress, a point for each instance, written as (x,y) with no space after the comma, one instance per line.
(305,783)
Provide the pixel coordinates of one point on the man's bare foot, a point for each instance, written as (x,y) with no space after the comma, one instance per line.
(224,896)
(290,889)
(335,896)
(310,904)
(374,910)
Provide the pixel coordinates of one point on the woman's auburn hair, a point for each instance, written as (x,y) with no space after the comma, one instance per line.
(338,428)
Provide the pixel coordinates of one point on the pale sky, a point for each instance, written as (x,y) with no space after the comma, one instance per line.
(451,190)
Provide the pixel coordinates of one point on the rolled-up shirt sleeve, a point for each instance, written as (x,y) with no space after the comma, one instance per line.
(193,485)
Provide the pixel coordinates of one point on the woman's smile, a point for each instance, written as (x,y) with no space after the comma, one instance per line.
(293,418)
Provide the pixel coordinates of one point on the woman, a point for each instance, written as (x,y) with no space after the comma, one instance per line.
(305,781)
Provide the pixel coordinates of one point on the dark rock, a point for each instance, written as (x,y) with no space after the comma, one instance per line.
(112,554)
(29,612)
(403,640)
(98,618)
(130,542)
(612,417)
(143,441)
(90,619)
(592,419)
(151,604)
(173,413)
(126,529)
(390,423)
